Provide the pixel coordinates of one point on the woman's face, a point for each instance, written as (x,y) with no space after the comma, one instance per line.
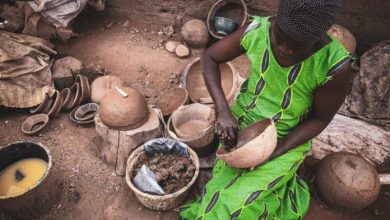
(288,47)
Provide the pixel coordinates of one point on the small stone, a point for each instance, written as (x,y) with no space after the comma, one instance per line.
(109,25)
(146,30)
(147,83)
(160,33)
(160,41)
(170,46)
(376,212)
(182,51)
(113,174)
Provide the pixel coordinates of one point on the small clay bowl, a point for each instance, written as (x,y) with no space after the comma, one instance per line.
(41,107)
(35,124)
(57,104)
(79,122)
(67,97)
(85,88)
(75,90)
(86,112)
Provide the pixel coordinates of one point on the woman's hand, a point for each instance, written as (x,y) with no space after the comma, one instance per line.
(227,129)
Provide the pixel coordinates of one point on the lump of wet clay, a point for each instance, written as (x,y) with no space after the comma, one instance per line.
(104,84)
(124,109)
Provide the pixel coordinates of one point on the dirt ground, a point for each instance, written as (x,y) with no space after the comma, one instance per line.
(91,189)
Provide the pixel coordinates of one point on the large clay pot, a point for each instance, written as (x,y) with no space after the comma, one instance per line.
(104,84)
(235,10)
(171,100)
(195,33)
(193,81)
(194,125)
(255,144)
(157,202)
(347,181)
(40,197)
(124,113)
(345,37)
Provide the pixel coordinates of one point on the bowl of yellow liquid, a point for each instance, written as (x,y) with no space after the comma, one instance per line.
(26,188)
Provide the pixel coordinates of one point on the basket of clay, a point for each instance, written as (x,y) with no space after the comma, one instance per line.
(255,144)
(194,83)
(161,173)
(194,125)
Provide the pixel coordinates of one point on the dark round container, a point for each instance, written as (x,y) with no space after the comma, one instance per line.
(41,197)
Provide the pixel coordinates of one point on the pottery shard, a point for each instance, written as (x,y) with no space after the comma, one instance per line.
(182,51)
(171,46)
(64,71)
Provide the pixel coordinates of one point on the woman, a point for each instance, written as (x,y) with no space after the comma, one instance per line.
(299,77)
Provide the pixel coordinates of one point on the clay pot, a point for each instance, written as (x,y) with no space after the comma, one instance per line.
(35,124)
(347,181)
(76,91)
(171,100)
(57,104)
(67,97)
(80,122)
(255,144)
(84,87)
(194,125)
(44,107)
(86,112)
(103,84)
(158,202)
(41,106)
(345,37)
(124,113)
(39,198)
(235,10)
(195,33)
(193,81)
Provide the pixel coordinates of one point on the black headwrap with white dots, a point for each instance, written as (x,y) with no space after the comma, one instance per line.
(307,20)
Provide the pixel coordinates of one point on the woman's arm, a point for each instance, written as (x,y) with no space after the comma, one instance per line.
(224,50)
(327,100)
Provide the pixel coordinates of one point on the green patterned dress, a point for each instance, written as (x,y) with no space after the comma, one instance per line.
(285,94)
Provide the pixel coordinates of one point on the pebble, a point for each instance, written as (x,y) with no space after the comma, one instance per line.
(170,46)
(182,51)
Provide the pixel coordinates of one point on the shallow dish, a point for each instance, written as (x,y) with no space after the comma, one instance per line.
(86,111)
(35,124)
(73,119)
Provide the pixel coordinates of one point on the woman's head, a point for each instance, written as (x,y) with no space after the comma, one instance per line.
(303,22)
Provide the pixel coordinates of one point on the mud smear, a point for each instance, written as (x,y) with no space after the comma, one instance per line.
(172,171)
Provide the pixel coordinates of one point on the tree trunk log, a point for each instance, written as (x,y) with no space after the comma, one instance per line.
(117,145)
(352,135)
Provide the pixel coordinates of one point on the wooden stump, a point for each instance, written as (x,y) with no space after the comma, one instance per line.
(352,135)
(118,145)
